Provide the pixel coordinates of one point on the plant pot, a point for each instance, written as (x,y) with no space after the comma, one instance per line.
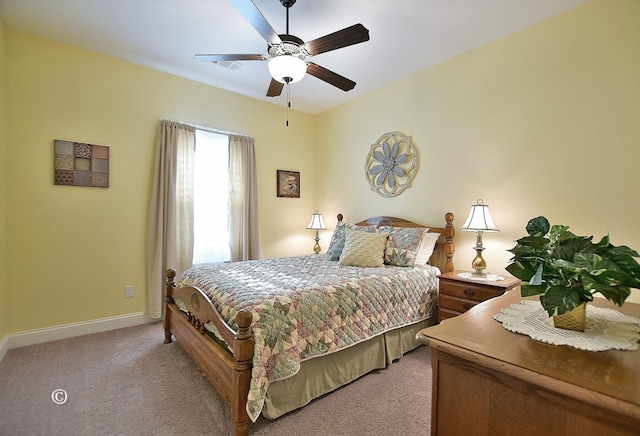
(574,320)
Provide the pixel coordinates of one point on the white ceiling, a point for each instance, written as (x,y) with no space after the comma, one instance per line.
(406,36)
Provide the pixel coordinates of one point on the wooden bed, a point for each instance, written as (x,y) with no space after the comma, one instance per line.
(228,368)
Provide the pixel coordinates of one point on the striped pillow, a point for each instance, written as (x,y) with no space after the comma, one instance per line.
(338,239)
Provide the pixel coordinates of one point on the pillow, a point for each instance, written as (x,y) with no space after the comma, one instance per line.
(403,245)
(339,231)
(338,239)
(426,249)
(363,249)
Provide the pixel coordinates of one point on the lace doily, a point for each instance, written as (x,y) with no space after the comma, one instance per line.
(605,329)
(487,278)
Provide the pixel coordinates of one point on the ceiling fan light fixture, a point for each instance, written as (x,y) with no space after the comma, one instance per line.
(287,68)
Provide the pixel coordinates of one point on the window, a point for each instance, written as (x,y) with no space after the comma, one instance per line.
(211,198)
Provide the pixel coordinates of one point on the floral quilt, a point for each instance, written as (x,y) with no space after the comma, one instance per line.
(306,306)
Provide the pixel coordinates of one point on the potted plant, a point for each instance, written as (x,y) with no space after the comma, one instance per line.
(566,270)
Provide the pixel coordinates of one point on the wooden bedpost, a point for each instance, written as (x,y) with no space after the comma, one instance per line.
(243,347)
(171,285)
(449,246)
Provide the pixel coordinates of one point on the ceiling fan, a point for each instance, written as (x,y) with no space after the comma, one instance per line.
(287,53)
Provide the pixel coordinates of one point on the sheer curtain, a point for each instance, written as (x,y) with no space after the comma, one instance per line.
(211,198)
(170,225)
(244,231)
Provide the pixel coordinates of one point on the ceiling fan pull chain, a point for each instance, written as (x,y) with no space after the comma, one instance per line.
(288,101)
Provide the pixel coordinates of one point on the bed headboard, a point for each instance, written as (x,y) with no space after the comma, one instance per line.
(445,247)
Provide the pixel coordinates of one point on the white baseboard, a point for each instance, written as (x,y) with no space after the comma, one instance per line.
(38,336)
(4,346)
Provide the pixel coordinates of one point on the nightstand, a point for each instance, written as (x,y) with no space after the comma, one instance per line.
(457,294)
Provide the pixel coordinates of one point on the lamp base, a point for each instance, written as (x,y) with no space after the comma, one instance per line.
(316,248)
(479,273)
(479,263)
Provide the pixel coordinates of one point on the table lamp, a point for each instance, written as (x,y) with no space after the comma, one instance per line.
(479,221)
(316,223)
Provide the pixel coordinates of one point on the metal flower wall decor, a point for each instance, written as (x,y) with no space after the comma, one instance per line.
(392,164)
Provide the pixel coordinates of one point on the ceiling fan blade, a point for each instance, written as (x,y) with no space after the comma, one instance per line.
(342,38)
(253,15)
(275,88)
(330,77)
(230,57)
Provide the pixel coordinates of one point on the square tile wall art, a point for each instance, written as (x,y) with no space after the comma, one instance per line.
(80,164)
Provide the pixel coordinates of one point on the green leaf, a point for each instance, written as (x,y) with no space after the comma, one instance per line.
(531,245)
(537,279)
(566,248)
(529,290)
(618,294)
(589,262)
(624,251)
(604,242)
(563,264)
(559,232)
(520,270)
(558,300)
(631,267)
(538,226)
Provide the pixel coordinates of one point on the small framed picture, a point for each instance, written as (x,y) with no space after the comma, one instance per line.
(288,184)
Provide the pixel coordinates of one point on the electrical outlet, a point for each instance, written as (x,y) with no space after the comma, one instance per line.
(128,291)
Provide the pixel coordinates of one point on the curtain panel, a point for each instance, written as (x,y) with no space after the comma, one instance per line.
(244,229)
(170,223)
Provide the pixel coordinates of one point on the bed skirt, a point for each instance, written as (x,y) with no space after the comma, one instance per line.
(326,373)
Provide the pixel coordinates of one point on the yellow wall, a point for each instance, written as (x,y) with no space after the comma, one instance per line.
(4,312)
(73,249)
(545,121)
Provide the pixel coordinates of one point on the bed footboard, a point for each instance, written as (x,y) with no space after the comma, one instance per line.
(229,371)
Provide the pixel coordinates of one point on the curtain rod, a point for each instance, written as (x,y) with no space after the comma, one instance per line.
(209,129)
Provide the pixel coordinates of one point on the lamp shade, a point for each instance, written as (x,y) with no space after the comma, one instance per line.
(316,223)
(479,219)
(287,68)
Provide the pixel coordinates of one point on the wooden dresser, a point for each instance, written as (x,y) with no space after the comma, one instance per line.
(456,295)
(489,381)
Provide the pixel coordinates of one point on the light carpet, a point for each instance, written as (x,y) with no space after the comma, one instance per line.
(127,382)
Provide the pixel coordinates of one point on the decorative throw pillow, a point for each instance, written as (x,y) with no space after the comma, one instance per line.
(426,249)
(403,245)
(339,231)
(338,239)
(363,249)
